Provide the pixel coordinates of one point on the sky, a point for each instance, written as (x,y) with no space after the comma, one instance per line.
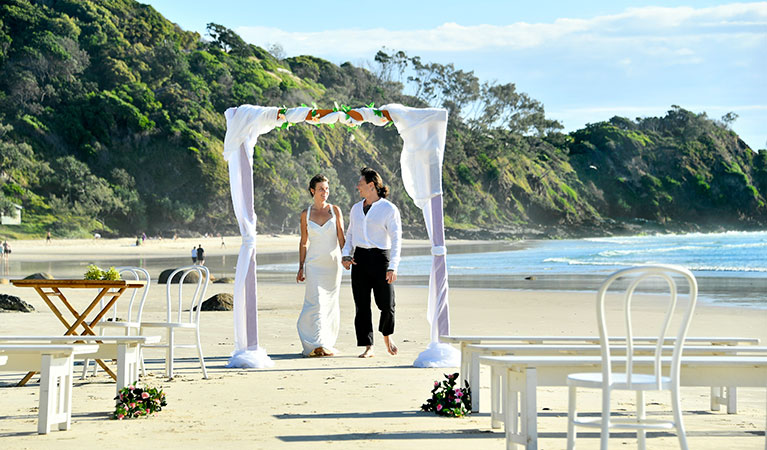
(585,61)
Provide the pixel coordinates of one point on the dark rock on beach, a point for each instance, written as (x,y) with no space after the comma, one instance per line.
(39,276)
(227,280)
(13,303)
(219,302)
(192,277)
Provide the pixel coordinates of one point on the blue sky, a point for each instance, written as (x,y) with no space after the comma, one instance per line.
(585,61)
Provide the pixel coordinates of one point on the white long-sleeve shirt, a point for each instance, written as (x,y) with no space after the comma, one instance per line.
(380,228)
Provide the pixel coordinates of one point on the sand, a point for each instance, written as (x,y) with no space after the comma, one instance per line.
(344,401)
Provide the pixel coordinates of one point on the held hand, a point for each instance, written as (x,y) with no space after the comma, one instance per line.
(391,276)
(300,275)
(348,264)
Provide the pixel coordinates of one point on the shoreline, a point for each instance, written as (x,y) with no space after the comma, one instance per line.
(69,258)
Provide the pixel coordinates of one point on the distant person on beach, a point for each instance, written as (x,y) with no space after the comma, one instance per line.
(200,255)
(48,238)
(319,264)
(194,255)
(6,250)
(223,244)
(372,252)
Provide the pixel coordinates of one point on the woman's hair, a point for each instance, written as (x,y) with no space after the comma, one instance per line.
(319,178)
(371,176)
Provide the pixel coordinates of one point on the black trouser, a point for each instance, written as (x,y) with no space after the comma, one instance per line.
(369,273)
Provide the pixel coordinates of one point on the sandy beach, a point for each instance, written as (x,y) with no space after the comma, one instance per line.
(343,401)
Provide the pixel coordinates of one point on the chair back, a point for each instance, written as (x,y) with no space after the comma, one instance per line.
(190,293)
(635,276)
(137,297)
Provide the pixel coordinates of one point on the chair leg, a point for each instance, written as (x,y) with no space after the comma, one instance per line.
(571,416)
(141,361)
(678,423)
(604,437)
(199,352)
(641,416)
(84,375)
(169,354)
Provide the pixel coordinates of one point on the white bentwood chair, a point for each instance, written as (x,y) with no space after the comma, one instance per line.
(131,323)
(176,320)
(609,381)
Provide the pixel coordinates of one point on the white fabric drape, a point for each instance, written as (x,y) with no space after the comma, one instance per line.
(243,126)
(423,134)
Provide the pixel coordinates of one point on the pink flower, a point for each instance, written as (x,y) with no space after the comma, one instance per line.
(132,405)
(439,407)
(120,416)
(458,393)
(144,395)
(131,387)
(436,383)
(147,411)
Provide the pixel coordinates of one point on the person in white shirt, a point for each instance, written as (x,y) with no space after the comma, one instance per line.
(372,251)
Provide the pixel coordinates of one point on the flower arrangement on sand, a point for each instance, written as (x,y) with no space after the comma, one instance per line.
(134,401)
(448,400)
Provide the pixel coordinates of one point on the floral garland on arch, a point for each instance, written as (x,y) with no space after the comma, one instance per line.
(339,113)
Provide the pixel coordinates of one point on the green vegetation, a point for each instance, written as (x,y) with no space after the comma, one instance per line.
(111,121)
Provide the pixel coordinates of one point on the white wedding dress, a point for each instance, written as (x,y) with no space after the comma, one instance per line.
(320,317)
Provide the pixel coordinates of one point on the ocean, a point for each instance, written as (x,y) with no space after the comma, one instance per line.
(731,267)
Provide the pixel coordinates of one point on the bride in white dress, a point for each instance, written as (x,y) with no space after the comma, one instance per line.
(322,237)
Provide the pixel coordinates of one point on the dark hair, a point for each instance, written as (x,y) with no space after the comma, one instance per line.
(371,176)
(319,178)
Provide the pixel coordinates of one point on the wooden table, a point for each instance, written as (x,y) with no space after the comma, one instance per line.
(47,289)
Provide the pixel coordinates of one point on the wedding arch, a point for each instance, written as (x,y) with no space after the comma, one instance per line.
(423,132)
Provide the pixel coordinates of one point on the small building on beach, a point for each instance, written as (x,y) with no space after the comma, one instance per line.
(14,217)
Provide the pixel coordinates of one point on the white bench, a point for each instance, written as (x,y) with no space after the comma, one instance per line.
(55,364)
(719,396)
(125,349)
(524,373)
(463,341)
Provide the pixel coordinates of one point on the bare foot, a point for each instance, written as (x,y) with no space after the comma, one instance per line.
(368,353)
(325,352)
(319,351)
(390,347)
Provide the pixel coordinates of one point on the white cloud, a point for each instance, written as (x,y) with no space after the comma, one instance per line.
(737,23)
